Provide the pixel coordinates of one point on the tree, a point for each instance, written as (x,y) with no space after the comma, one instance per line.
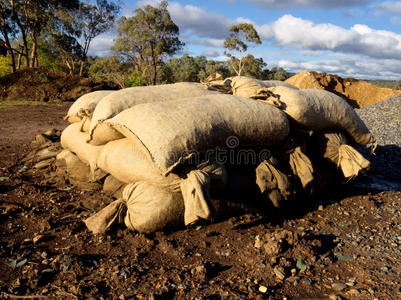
(241,37)
(24,21)
(66,49)
(183,69)
(7,30)
(111,69)
(147,37)
(90,21)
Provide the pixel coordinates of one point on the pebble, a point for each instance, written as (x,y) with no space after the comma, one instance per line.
(338,286)
(384,120)
(263,289)
(279,273)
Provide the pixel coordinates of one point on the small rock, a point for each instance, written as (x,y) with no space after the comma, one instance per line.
(353,292)
(272,247)
(258,242)
(37,238)
(279,271)
(263,289)
(338,286)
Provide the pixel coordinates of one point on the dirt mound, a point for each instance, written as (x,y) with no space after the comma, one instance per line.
(40,84)
(358,93)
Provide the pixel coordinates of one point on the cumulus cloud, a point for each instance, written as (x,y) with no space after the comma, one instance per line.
(360,39)
(286,4)
(388,7)
(198,21)
(215,43)
(347,66)
(101,44)
(211,53)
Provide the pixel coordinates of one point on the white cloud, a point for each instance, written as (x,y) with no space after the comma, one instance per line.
(285,4)
(211,53)
(215,43)
(388,7)
(346,66)
(101,44)
(198,21)
(359,39)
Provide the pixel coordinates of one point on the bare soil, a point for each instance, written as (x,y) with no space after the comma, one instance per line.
(358,93)
(40,84)
(345,244)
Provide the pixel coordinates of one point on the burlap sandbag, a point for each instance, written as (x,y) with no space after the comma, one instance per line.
(334,147)
(144,208)
(122,160)
(253,88)
(273,182)
(78,172)
(301,166)
(85,124)
(113,187)
(318,109)
(85,105)
(121,100)
(170,133)
(74,140)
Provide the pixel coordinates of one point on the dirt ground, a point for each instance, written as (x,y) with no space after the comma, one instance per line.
(46,86)
(358,93)
(344,245)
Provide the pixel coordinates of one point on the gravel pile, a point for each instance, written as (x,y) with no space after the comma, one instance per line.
(384,121)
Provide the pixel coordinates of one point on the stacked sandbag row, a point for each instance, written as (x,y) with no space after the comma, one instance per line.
(153,144)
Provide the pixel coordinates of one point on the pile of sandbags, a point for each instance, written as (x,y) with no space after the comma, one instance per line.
(159,149)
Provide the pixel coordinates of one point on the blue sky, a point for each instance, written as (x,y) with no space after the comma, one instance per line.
(351,38)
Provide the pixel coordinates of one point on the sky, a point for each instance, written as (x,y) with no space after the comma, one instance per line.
(350,38)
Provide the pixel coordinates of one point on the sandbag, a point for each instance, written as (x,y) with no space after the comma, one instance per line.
(85,124)
(85,105)
(151,208)
(144,208)
(113,187)
(74,140)
(333,146)
(122,160)
(253,88)
(195,191)
(273,182)
(318,109)
(301,166)
(123,99)
(170,133)
(77,170)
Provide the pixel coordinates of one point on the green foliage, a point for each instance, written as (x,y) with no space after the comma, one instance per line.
(278,74)
(113,70)
(241,37)
(146,38)
(4,65)
(43,77)
(390,84)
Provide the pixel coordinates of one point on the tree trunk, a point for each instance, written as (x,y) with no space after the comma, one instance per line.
(81,70)
(10,52)
(12,59)
(19,59)
(34,59)
(154,65)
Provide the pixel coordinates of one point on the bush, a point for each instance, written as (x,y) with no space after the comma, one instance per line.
(4,65)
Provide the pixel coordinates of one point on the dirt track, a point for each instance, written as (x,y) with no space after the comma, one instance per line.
(345,244)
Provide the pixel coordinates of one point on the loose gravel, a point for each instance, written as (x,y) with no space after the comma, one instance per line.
(384,121)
